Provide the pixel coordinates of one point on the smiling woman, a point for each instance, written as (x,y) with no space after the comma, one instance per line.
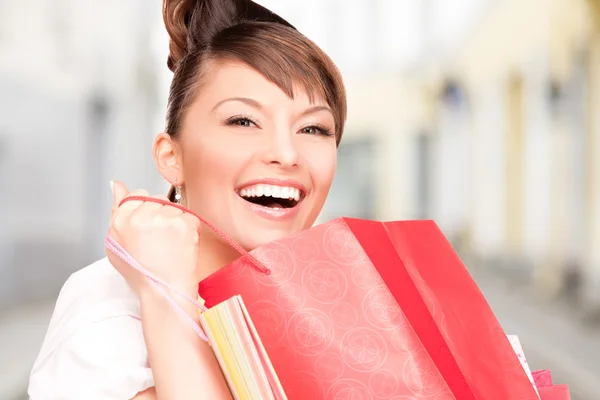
(255,115)
(243,132)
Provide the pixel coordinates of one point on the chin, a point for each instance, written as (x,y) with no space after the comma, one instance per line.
(258,237)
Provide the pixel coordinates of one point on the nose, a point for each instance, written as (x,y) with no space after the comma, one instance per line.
(281,150)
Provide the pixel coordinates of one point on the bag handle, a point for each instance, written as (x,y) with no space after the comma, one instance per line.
(156,282)
(218,231)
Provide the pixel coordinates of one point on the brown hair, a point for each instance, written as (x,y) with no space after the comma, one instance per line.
(202,31)
(240,30)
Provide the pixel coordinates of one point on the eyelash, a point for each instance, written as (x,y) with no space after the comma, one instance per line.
(234,121)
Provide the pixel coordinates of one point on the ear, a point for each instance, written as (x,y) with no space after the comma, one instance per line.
(167,156)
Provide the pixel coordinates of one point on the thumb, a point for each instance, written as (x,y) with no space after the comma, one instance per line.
(120,191)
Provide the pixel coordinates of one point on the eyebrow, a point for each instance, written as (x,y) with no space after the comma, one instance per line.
(246,100)
(315,109)
(255,104)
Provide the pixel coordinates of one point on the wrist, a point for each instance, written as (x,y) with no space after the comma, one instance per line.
(187,287)
(152,298)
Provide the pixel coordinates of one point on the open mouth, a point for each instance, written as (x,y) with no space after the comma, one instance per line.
(271,196)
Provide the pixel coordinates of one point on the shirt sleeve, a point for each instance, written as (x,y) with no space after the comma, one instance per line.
(94,347)
(105,359)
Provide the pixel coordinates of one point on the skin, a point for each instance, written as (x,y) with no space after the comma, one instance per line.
(214,155)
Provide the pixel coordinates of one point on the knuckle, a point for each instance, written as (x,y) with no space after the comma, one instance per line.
(180,225)
(192,221)
(135,222)
(140,222)
(174,224)
(118,222)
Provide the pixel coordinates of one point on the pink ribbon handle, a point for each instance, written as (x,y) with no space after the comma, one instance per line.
(253,261)
(156,282)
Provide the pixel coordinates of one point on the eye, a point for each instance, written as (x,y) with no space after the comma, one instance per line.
(243,122)
(316,130)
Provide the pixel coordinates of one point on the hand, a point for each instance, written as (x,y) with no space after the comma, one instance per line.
(163,239)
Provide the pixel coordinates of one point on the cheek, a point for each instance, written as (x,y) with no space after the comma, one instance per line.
(209,168)
(322,165)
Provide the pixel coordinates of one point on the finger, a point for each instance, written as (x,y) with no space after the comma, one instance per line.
(192,221)
(163,199)
(119,192)
(169,211)
(130,206)
(145,212)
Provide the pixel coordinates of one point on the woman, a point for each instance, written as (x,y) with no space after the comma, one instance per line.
(255,114)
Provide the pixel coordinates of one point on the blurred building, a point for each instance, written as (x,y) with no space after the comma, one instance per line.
(529,73)
(495,134)
(384,168)
(80,102)
(483,115)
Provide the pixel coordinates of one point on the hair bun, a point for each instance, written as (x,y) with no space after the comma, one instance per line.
(192,24)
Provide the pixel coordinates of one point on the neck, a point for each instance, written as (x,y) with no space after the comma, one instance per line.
(214,254)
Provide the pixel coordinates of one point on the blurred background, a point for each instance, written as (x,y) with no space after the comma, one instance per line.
(482,115)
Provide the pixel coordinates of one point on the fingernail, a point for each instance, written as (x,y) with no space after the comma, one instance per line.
(112,187)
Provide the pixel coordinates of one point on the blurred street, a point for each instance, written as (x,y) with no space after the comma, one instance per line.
(552,335)
(483,115)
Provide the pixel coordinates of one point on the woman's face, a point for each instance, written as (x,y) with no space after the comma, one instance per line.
(253,161)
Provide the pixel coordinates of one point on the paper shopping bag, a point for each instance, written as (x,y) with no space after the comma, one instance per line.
(369,310)
(239,351)
(542,377)
(229,330)
(548,390)
(516,345)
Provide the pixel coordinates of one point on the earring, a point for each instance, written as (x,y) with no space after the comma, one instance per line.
(178,196)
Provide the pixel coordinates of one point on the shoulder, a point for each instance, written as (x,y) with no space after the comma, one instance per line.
(90,295)
(95,336)
(96,286)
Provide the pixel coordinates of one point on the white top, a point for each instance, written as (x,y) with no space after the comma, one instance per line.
(94,348)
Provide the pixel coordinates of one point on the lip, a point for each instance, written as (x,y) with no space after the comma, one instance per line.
(278,215)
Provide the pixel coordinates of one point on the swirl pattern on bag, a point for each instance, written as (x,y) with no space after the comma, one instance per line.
(324,282)
(344,316)
(341,245)
(381,310)
(423,382)
(334,330)
(306,249)
(349,389)
(279,259)
(310,332)
(405,340)
(365,276)
(330,366)
(383,384)
(291,297)
(363,349)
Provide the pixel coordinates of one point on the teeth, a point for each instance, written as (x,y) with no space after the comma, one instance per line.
(280,192)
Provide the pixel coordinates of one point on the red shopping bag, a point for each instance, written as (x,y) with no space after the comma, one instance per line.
(547,390)
(542,377)
(356,309)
